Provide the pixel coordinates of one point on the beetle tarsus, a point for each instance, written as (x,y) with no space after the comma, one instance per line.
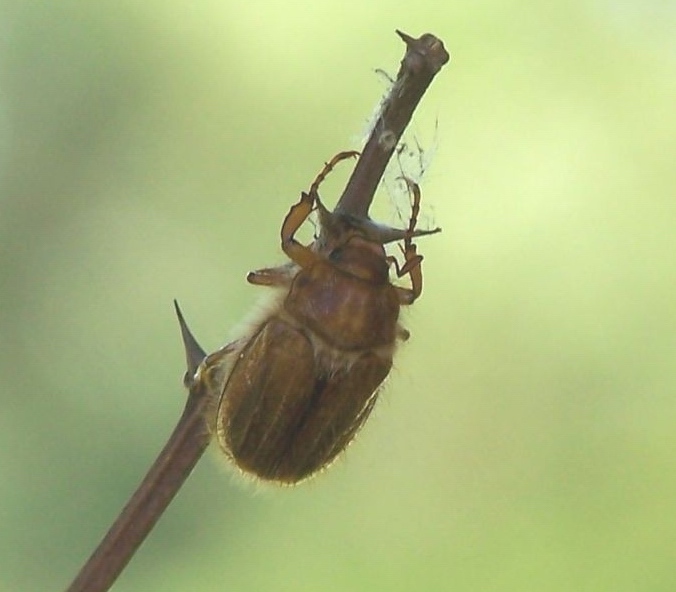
(273,276)
(328,167)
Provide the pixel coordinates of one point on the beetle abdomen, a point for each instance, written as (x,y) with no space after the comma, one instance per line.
(287,414)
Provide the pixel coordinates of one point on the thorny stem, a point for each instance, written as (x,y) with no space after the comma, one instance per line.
(423,59)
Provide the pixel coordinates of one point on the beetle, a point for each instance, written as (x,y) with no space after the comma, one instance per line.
(289,396)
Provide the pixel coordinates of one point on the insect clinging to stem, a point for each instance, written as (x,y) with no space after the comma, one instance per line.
(287,398)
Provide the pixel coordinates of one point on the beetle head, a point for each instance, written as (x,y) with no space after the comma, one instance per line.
(337,228)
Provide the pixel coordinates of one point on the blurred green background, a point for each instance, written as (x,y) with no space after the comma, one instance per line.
(526,439)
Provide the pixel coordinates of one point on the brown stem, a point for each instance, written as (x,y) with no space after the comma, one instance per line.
(423,59)
(171,468)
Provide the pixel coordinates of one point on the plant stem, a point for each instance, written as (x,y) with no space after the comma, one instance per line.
(424,57)
(171,468)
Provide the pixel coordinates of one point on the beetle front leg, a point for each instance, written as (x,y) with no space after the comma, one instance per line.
(413,269)
(298,253)
(328,167)
(412,261)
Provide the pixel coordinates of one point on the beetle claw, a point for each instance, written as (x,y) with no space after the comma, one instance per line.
(194,354)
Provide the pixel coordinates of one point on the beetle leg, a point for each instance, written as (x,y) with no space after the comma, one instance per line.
(272,276)
(413,269)
(328,167)
(412,260)
(414,190)
(300,254)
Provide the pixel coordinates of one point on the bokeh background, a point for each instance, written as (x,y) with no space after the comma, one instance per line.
(527,437)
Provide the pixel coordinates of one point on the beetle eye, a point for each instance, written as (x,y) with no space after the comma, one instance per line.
(336,254)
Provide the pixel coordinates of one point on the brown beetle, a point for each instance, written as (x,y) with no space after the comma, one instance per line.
(290,396)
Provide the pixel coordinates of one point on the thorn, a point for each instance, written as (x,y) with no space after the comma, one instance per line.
(405,37)
(194,354)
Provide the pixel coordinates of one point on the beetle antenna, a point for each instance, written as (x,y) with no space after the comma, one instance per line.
(194,354)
